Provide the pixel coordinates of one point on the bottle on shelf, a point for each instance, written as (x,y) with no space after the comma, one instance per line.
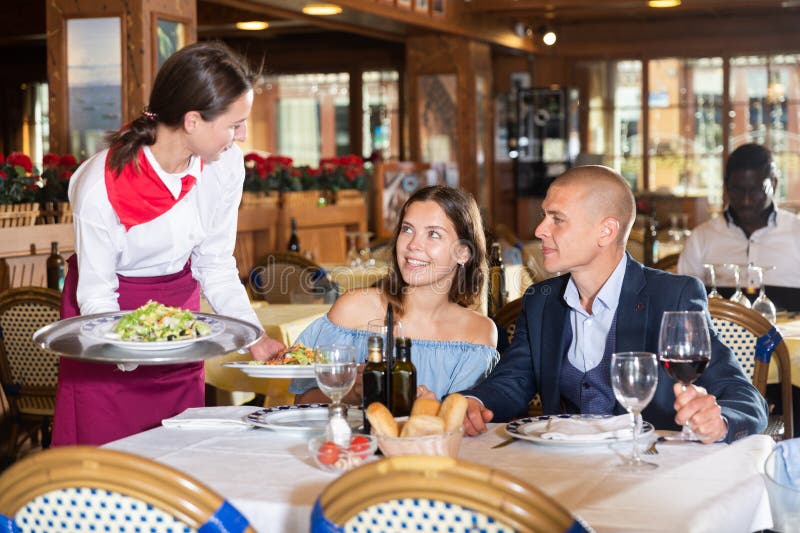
(294,242)
(55,268)
(651,239)
(497,280)
(374,377)
(403,379)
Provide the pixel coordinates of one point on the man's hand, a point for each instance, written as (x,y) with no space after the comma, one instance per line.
(701,410)
(476,418)
(266,349)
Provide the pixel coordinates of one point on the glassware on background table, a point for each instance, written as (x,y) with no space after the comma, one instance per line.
(762,304)
(366,252)
(684,349)
(634,376)
(711,280)
(353,257)
(335,369)
(675,231)
(738,296)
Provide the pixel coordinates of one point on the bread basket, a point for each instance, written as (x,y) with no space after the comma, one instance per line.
(444,444)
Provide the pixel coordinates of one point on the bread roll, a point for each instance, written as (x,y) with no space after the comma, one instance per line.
(421,425)
(425,406)
(453,409)
(381,420)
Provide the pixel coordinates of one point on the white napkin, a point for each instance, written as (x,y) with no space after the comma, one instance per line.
(228,417)
(588,429)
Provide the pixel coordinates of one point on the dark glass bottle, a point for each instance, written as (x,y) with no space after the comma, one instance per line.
(374,377)
(497,280)
(651,240)
(403,379)
(294,242)
(55,268)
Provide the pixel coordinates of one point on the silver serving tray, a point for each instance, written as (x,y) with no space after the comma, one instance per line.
(65,338)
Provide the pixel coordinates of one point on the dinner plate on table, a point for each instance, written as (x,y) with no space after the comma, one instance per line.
(256,370)
(303,418)
(533,429)
(101,329)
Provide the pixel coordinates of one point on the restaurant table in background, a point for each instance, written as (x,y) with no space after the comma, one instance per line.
(270,477)
(283,322)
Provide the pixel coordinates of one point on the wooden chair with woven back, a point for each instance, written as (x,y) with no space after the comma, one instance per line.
(754,342)
(83,488)
(28,374)
(668,263)
(289,277)
(409,493)
(506,319)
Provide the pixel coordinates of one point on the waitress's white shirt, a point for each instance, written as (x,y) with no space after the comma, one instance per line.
(202,226)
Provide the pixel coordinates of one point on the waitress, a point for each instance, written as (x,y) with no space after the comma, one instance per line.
(155,219)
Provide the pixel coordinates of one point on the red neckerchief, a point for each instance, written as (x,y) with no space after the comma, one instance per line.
(139,195)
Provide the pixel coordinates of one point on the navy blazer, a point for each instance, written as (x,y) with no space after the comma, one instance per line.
(533,361)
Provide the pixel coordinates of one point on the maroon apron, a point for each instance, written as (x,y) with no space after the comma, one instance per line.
(97,403)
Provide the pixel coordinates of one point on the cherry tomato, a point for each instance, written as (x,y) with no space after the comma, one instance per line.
(328,453)
(359,445)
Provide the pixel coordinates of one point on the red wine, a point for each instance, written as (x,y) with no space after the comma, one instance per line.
(685,370)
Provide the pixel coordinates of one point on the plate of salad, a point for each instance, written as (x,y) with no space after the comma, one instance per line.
(297,361)
(153,326)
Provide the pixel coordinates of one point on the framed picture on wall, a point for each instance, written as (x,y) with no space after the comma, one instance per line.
(437,7)
(395,181)
(404,4)
(169,36)
(422,6)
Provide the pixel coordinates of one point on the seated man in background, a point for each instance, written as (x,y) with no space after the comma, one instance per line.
(605,303)
(751,230)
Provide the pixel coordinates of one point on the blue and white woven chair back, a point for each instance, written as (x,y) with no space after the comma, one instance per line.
(443,494)
(83,489)
(741,341)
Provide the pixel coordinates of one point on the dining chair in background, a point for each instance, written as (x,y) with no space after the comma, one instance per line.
(754,342)
(28,374)
(407,493)
(289,277)
(668,263)
(83,488)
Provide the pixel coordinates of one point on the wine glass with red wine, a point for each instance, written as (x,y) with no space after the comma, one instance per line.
(684,349)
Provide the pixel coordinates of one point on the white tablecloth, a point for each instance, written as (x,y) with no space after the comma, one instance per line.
(271,478)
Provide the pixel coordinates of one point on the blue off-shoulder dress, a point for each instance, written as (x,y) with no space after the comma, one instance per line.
(442,366)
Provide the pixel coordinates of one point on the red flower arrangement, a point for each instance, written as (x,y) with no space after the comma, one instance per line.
(21,182)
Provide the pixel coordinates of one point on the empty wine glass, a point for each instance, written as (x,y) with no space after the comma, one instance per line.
(762,305)
(711,277)
(634,376)
(738,296)
(377,327)
(684,348)
(366,251)
(353,257)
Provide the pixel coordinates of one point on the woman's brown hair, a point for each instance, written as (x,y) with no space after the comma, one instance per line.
(462,210)
(206,77)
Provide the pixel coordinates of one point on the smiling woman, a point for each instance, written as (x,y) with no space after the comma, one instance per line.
(436,273)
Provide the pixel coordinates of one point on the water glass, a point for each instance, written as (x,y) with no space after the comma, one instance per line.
(335,369)
(711,280)
(738,296)
(762,304)
(634,377)
(378,327)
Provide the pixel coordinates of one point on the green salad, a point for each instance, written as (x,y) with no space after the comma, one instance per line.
(154,322)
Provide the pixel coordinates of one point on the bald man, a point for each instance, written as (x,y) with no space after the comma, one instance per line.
(606,302)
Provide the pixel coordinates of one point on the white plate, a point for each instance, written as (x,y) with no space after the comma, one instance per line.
(100,329)
(273,371)
(532,428)
(307,417)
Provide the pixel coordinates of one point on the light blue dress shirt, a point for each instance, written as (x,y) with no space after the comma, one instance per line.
(589,331)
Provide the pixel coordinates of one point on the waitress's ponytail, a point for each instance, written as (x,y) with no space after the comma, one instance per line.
(125,144)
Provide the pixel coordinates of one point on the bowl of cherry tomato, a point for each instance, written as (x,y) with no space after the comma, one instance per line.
(331,457)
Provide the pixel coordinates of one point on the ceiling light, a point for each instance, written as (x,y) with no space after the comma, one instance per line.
(321,9)
(252,25)
(663,3)
(547,35)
